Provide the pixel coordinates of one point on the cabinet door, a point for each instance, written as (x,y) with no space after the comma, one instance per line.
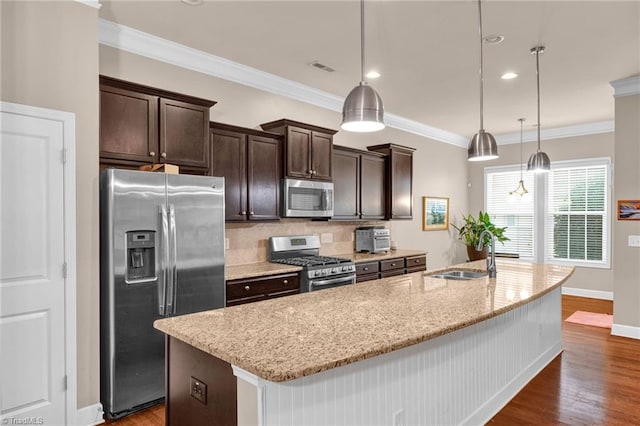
(372,195)
(184,133)
(298,152)
(128,125)
(228,159)
(401,177)
(321,153)
(264,172)
(346,184)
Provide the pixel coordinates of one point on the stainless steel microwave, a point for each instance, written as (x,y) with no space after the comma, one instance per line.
(307,198)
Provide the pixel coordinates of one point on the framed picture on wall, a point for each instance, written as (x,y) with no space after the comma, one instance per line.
(628,209)
(435,213)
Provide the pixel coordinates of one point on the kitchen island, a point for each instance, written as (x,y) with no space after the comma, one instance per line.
(411,349)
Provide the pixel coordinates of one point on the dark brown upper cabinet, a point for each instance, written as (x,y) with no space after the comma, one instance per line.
(359,184)
(399,180)
(250,162)
(141,124)
(307,148)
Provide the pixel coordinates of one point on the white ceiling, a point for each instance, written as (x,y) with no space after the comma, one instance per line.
(427,52)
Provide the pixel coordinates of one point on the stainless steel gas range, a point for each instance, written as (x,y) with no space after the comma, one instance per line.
(319,272)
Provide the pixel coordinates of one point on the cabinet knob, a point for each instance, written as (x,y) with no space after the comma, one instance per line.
(417,260)
(152,154)
(247,288)
(365,269)
(393,264)
(285,282)
(251,213)
(243,212)
(163,155)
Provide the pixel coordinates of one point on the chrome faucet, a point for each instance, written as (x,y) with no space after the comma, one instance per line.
(491,260)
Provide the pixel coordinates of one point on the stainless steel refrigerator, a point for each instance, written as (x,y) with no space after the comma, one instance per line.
(162,254)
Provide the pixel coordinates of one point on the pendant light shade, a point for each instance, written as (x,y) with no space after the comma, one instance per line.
(539,161)
(483,145)
(362,110)
(520,190)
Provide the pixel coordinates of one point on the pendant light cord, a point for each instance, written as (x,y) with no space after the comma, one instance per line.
(481,66)
(521,120)
(538,83)
(362,41)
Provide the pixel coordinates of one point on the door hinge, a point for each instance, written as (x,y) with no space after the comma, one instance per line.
(64,155)
(64,270)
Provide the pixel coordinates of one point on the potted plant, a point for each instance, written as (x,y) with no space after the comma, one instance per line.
(470,232)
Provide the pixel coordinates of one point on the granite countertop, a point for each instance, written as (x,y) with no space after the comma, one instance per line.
(262,269)
(291,337)
(364,257)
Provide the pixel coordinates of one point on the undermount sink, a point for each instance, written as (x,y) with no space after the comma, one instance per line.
(459,275)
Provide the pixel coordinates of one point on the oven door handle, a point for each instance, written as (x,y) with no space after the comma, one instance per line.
(333,281)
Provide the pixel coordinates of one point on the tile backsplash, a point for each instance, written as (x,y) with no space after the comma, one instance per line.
(249,242)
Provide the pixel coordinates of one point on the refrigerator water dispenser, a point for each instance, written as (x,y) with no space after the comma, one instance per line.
(141,256)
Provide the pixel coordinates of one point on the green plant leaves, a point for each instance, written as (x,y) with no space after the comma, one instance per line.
(472,228)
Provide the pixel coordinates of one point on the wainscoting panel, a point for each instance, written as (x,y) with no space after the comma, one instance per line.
(464,377)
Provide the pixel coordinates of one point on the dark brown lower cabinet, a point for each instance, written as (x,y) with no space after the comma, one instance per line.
(250,290)
(201,389)
(416,263)
(367,271)
(372,270)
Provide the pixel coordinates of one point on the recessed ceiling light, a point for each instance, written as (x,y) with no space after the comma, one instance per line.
(493,39)
(373,74)
(508,75)
(193,2)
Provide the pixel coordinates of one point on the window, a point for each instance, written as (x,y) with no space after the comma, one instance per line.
(578,213)
(574,201)
(513,211)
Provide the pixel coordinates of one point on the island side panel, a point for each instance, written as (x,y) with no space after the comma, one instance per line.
(464,377)
(186,364)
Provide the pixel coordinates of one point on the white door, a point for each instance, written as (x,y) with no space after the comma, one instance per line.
(32,283)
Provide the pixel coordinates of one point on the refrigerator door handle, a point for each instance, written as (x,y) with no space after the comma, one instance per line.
(164,253)
(173,265)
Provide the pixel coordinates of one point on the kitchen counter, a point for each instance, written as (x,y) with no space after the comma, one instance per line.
(288,338)
(261,269)
(364,257)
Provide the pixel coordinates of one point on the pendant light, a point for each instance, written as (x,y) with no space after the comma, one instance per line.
(362,110)
(483,145)
(520,190)
(539,161)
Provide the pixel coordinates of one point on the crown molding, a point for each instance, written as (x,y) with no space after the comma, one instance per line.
(140,43)
(91,3)
(557,133)
(626,86)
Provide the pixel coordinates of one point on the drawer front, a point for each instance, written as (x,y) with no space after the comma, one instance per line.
(367,268)
(415,261)
(392,273)
(416,269)
(239,289)
(387,265)
(244,300)
(363,278)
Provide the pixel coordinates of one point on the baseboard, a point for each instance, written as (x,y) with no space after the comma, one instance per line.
(591,294)
(625,331)
(90,415)
(493,406)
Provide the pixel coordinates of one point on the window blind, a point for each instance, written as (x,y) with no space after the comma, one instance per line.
(513,211)
(578,214)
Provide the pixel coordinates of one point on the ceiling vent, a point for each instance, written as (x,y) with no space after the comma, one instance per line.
(322,67)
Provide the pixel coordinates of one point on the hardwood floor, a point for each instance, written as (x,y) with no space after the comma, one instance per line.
(595,381)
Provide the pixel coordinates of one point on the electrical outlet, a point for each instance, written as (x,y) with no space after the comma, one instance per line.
(634,240)
(226,244)
(198,390)
(398,418)
(326,238)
